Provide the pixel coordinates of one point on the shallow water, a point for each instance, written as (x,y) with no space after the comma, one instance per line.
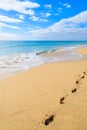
(19,56)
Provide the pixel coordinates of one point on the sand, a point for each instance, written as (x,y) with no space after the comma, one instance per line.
(82,51)
(29,98)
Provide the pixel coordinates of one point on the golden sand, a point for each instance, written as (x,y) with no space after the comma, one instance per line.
(82,51)
(28,99)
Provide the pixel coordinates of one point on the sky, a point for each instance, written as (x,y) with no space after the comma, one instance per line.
(43,20)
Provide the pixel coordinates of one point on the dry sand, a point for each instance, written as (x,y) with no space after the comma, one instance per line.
(82,51)
(28,99)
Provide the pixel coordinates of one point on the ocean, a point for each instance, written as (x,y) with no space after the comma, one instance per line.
(17,56)
(17,47)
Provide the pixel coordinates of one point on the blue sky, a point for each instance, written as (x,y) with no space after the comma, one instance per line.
(43,20)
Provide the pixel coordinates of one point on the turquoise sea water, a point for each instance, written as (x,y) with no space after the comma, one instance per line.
(16,47)
(17,56)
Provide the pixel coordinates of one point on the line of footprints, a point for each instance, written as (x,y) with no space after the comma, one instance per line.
(49,119)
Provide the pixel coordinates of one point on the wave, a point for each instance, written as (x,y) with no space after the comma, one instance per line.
(19,62)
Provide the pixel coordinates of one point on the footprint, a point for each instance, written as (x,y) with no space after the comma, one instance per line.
(49,120)
(74,90)
(66,95)
(82,77)
(84,73)
(77,82)
(62,100)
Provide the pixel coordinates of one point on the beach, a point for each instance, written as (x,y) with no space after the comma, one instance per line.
(82,51)
(51,96)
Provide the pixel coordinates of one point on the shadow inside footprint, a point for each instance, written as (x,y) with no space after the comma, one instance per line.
(84,73)
(62,100)
(74,90)
(49,119)
(82,77)
(77,82)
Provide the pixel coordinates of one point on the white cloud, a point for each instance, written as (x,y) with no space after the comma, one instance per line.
(59,9)
(9,36)
(67,5)
(48,6)
(34,18)
(80,18)
(24,11)
(8,19)
(43,20)
(28,4)
(21,16)
(65,29)
(47,14)
(9,26)
(70,24)
(15,5)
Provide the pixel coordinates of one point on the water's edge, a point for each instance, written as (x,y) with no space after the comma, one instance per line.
(11,64)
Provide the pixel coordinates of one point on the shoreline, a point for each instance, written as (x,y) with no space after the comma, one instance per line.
(22,62)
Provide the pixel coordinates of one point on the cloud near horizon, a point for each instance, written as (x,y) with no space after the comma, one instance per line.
(68,28)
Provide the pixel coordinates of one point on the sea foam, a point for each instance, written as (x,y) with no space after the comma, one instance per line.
(10,64)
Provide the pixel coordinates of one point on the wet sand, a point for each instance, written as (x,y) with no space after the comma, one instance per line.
(51,96)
